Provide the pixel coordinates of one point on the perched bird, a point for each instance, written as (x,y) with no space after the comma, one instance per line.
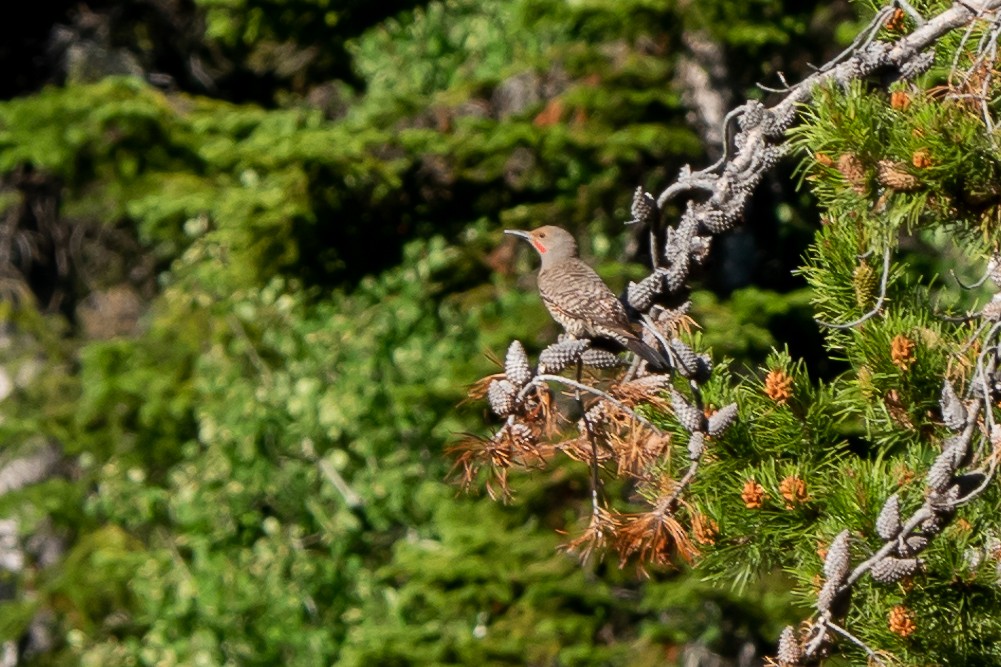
(577,298)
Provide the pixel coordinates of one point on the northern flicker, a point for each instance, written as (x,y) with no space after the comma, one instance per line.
(577,298)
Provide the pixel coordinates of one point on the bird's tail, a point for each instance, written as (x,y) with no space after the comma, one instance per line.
(654,359)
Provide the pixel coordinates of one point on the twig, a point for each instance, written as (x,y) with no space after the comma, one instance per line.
(855,640)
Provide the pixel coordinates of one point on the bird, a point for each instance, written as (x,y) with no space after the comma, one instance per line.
(577,298)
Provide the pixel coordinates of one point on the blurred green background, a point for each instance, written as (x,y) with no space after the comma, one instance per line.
(251,260)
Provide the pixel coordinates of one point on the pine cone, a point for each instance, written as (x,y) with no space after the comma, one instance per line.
(644,208)
(834,598)
(696,445)
(722,419)
(892,569)
(560,355)
(958,448)
(941,518)
(502,395)
(953,410)
(596,358)
(888,522)
(940,474)
(520,434)
(911,546)
(895,175)
(689,416)
(676,276)
(687,362)
(516,366)
(790,653)
(854,172)
(714,221)
(643,294)
(864,282)
(837,561)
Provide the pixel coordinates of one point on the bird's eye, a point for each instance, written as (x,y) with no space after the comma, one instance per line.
(542,235)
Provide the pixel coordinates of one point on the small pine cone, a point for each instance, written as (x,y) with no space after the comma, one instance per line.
(953,410)
(696,445)
(902,352)
(854,172)
(901,621)
(793,490)
(713,221)
(958,448)
(778,386)
(597,414)
(753,495)
(502,396)
(894,175)
(864,281)
(676,276)
(782,119)
(560,355)
(516,366)
(770,156)
(891,569)
(596,358)
(940,474)
(911,546)
(837,561)
(520,435)
(834,598)
(648,384)
(937,522)
(687,362)
(754,113)
(721,420)
(688,415)
(644,208)
(790,652)
(643,294)
(733,211)
(888,522)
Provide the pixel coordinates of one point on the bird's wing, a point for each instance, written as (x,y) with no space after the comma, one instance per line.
(574,289)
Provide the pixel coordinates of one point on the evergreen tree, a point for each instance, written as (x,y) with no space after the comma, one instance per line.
(872,493)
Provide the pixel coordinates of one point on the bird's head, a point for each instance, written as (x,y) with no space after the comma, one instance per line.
(551,242)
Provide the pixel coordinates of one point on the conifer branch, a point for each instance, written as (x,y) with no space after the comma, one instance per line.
(948,489)
(716,199)
(879,301)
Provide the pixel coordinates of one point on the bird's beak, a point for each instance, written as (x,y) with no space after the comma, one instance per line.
(517,232)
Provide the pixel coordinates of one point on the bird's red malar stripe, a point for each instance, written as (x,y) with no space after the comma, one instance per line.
(538,246)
